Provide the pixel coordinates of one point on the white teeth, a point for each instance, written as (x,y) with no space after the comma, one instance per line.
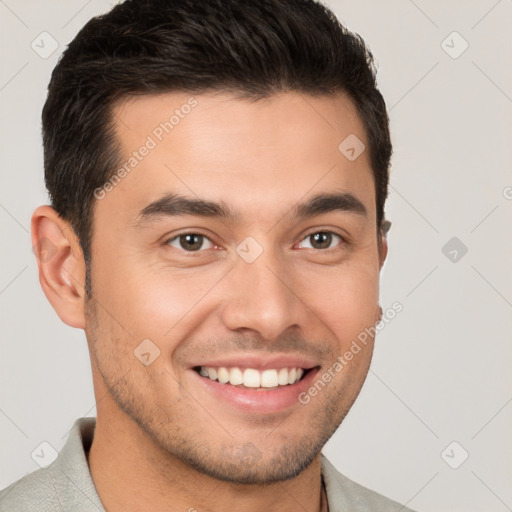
(253,378)
(269,379)
(223,375)
(283,376)
(236,376)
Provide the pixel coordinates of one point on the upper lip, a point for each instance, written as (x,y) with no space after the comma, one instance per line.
(258,362)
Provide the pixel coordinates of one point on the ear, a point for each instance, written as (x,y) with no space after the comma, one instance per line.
(61,265)
(383,241)
(383,250)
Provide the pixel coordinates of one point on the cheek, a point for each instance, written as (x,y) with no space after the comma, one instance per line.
(152,301)
(345,298)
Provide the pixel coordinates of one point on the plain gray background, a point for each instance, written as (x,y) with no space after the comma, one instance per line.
(441,369)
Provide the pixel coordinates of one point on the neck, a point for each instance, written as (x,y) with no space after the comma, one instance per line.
(123,457)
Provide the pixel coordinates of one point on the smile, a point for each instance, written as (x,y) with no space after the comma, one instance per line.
(272,378)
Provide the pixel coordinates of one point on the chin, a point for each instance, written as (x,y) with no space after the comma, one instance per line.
(248,465)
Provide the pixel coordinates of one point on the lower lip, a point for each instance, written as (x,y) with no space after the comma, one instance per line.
(261,402)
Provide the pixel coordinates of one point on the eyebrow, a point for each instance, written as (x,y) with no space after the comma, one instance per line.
(172,205)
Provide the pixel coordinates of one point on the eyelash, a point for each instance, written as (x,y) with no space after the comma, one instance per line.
(342,240)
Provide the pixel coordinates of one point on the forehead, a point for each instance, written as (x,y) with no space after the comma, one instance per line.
(258,157)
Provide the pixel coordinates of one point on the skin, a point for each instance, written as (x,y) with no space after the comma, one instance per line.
(158,433)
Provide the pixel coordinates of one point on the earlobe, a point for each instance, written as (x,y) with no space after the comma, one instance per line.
(61,265)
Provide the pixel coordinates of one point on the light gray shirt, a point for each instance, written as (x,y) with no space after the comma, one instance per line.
(66,484)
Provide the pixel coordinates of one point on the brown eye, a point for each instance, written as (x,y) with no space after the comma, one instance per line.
(189,242)
(322,239)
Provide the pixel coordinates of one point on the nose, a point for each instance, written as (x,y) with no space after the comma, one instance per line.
(263,297)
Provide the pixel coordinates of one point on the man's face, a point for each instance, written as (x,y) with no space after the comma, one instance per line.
(271,287)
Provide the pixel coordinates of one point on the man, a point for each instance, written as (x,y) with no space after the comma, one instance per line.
(217,172)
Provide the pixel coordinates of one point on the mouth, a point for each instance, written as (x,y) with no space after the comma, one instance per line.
(253,383)
(253,379)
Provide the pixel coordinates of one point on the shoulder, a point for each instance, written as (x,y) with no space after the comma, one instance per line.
(66,484)
(32,492)
(345,494)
